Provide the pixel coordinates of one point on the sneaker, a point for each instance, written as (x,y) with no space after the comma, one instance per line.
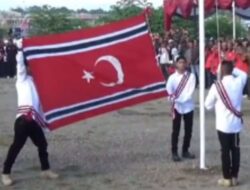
(176,158)
(48,174)
(188,155)
(225,182)
(235,181)
(6,180)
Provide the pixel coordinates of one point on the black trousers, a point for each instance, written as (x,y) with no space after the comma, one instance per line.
(246,90)
(11,68)
(230,154)
(188,127)
(23,129)
(164,70)
(210,78)
(3,72)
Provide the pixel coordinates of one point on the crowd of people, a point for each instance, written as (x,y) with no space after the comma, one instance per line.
(177,42)
(8,51)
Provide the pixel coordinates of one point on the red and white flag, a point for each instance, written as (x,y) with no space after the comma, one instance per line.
(84,73)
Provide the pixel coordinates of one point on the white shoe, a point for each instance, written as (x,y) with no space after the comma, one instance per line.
(6,180)
(225,182)
(48,174)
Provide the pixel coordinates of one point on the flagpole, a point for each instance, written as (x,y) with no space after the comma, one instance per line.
(202,82)
(234,20)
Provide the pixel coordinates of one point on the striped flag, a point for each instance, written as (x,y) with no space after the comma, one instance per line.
(84,73)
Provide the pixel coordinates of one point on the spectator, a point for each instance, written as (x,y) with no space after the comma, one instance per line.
(164,59)
(2,72)
(11,51)
(173,51)
(195,61)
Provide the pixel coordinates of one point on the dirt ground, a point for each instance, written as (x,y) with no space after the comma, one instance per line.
(124,150)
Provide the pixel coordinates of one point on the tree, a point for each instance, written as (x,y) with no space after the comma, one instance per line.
(19,10)
(97,11)
(48,20)
(225,27)
(118,13)
(138,3)
(156,21)
(189,24)
(3,32)
(82,10)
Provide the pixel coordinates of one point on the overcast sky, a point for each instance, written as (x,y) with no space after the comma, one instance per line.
(72,4)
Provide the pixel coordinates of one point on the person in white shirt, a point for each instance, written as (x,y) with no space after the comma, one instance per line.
(180,88)
(226,97)
(164,59)
(30,122)
(173,51)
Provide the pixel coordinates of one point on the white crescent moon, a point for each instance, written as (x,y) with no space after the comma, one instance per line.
(117,66)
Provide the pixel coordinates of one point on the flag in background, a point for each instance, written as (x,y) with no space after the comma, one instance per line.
(84,73)
(169,8)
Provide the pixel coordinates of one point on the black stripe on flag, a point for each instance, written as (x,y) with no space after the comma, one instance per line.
(82,46)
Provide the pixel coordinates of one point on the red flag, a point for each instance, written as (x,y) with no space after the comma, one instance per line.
(209,4)
(225,4)
(186,7)
(84,73)
(244,4)
(170,7)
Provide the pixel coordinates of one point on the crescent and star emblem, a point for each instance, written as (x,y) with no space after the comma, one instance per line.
(115,63)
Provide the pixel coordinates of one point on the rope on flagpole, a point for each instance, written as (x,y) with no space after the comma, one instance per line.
(218,39)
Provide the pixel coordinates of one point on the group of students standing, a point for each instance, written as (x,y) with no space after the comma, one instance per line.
(8,53)
(225,96)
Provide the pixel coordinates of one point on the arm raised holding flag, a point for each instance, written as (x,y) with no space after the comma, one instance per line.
(29,122)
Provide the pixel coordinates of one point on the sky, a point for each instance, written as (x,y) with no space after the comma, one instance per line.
(71,4)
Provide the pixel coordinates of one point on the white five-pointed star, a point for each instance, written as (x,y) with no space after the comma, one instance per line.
(88,76)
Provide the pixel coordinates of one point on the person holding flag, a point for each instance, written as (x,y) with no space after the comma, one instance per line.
(30,122)
(180,88)
(226,96)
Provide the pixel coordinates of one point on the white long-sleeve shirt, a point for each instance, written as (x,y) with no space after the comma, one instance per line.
(226,121)
(174,53)
(27,96)
(164,56)
(184,103)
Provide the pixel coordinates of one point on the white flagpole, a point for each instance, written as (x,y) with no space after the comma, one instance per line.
(234,20)
(202,82)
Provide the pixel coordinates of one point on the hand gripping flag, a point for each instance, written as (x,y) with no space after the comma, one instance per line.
(84,73)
